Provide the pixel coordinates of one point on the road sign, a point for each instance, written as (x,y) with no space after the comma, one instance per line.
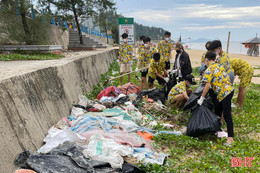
(126,25)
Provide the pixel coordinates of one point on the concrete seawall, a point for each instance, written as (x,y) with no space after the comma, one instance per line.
(34,100)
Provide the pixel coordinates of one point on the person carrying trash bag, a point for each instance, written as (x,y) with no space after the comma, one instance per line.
(217,77)
(179,93)
(157,71)
(145,56)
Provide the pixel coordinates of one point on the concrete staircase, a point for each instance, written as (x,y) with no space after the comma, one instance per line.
(88,42)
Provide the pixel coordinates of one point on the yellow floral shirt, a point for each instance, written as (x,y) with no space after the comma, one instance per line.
(156,68)
(139,49)
(203,57)
(179,88)
(224,61)
(165,49)
(240,66)
(125,51)
(145,57)
(219,80)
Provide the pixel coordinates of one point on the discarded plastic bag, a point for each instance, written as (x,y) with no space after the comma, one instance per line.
(99,107)
(129,88)
(145,155)
(60,137)
(84,101)
(109,91)
(76,112)
(107,150)
(203,121)
(156,94)
(145,135)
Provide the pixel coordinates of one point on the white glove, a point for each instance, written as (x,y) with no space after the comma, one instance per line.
(174,71)
(136,70)
(200,101)
(166,79)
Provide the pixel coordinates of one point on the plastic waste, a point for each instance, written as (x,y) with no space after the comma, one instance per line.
(84,101)
(203,121)
(57,137)
(107,150)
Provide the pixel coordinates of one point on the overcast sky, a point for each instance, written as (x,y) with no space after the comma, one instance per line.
(210,19)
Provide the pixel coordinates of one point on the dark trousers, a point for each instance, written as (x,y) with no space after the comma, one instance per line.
(225,107)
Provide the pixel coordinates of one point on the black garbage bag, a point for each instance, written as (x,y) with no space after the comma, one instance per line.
(203,121)
(156,94)
(192,102)
(171,83)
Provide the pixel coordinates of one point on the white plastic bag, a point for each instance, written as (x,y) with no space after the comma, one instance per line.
(76,112)
(84,101)
(99,107)
(56,137)
(107,150)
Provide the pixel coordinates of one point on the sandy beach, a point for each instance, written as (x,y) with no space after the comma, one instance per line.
(195,57)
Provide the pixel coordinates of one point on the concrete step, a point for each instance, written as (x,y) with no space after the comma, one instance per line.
(80,45)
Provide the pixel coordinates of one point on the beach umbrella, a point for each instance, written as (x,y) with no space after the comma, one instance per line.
(255,40)
(253,46)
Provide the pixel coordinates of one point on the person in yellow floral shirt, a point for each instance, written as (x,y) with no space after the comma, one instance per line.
(202,63)
(125,57)
(165,48)
(245,73)
(145,56)
(157,71)
(179,93)
(141,44)
(216,77)
(223,58)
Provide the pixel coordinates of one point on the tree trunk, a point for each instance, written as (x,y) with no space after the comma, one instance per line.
(107,38)
(78,26)
(24,22)
(106,33)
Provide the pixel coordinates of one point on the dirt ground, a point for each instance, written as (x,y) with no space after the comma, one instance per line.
(195,57)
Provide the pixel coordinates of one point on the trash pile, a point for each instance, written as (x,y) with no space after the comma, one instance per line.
(101,135)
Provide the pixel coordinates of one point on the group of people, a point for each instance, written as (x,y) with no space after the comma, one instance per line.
(217,71)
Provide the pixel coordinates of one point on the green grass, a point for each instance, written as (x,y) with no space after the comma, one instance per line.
(206,153)
(195,72)
(28,55)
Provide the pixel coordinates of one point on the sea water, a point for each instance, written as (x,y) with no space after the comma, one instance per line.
(234,47)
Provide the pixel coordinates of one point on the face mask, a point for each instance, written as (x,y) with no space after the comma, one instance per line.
(218,51)
(146,45)
(125,40)
(167,39)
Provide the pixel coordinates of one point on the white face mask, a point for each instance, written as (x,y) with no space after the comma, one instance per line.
(218,51)
(167,39)
(146,45)
(125,40)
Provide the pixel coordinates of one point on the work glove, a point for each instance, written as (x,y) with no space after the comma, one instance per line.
(136,70)
(200,101)
(166,79)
